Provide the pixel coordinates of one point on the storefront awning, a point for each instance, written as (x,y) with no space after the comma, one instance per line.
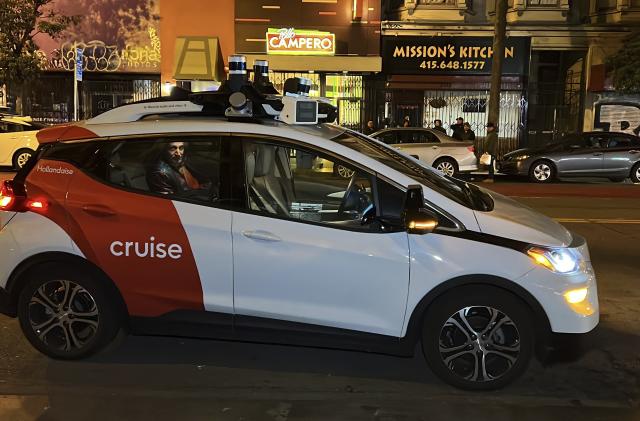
(198,58)
(280,63)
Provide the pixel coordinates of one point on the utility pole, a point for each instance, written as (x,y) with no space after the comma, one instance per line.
(496,62)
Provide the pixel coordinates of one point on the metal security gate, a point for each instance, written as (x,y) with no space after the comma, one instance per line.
(351,113)
(472,106)
(100,96)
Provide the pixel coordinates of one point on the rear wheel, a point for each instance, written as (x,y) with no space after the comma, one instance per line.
(68,313)
(635,173)
(447,166)
(478,337)
(21,157)
(542,171)
(344,172)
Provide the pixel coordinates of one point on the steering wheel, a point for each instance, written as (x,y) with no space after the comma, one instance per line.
(354,199)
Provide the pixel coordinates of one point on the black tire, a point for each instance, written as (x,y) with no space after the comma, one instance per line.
(20,158)
(540,167)
(84,321)
(515,330)
(635,173)
(447,163)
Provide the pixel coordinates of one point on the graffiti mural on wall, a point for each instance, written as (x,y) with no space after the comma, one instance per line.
(115,36)
(618,116)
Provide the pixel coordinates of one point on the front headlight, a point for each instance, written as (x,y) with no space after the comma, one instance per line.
(561,260)
(521,157)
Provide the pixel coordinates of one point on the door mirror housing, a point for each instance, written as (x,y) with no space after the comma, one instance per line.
(417,218)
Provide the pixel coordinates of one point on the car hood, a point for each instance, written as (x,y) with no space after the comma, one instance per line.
(524,151)
(513,220)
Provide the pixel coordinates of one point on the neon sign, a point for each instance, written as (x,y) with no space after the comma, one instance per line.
(300,42)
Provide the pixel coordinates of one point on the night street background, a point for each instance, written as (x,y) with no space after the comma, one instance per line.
(174,378)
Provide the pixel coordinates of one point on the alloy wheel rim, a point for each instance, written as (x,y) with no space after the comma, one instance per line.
(345,172)
(479,344)
(63,315)
(542,172)
(638,174)
(446,168)
(23,158)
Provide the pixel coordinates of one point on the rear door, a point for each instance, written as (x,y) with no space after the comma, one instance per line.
(421,144)
(159,231)
(622,152)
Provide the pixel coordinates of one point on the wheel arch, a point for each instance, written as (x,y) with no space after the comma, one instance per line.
(541,321)
(19,276)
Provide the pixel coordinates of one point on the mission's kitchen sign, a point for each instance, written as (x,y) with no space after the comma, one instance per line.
(300,42)
(452,55)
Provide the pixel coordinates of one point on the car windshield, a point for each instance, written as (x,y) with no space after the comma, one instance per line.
(459,191)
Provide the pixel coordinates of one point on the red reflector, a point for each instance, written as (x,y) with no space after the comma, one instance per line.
(471,148)
(36,205)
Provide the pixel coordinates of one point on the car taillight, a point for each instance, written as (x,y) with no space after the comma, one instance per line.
(471,148)
(13,198)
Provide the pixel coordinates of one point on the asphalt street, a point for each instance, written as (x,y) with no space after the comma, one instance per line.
(174,378)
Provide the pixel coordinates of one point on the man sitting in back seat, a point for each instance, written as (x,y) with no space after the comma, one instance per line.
(172,174)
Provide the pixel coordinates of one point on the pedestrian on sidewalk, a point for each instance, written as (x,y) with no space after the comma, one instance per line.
(370,129)
(491,147)
(457,128)
(467,133)
(437,125)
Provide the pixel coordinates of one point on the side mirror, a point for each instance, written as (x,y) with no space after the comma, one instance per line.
(417,219)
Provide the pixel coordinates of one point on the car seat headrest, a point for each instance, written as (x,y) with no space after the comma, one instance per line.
(264,160)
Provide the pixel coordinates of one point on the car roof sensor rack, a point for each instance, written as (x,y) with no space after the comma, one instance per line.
(238,99)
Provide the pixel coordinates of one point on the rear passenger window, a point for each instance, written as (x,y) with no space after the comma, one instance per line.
(388,137)
(183,169)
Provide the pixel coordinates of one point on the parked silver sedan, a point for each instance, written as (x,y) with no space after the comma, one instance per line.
(432,147)
(615,156)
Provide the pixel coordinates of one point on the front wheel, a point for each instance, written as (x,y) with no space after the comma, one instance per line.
(542,172)
(67,313)
(478,338)
(446,166)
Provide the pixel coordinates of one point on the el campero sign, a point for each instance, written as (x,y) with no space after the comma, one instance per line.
(452,55)
(300,42)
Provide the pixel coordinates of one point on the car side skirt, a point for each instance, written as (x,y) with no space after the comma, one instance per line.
(208,325)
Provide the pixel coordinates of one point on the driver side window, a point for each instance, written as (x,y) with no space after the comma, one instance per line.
(295,183)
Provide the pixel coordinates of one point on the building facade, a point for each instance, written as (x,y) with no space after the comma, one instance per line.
(437,62)
(119,52)
(334,43)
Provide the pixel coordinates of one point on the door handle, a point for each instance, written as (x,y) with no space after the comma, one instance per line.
(99,210)
(261,235)
(435,147)
(597,154)
(633,151)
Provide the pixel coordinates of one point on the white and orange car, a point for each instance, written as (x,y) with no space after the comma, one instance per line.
(17,140)
(182,217)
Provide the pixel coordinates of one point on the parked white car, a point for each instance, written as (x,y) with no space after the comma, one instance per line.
(432,147)
(17,140)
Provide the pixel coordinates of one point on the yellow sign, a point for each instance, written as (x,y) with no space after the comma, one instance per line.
(300,42)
